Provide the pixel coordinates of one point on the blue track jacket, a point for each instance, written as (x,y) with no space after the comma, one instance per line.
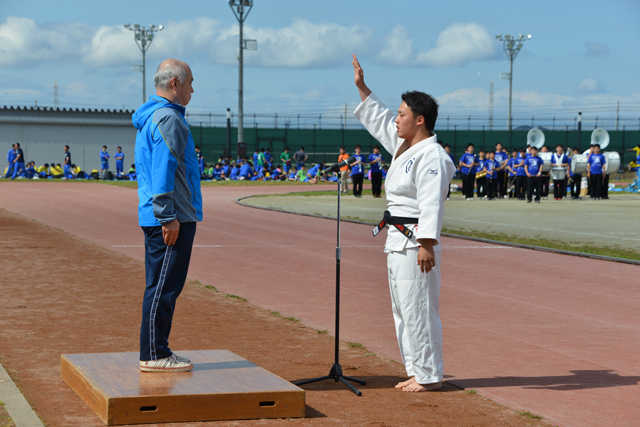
(166,165)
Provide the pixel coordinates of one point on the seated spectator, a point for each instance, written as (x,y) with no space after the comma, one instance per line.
(302,174)
(293,174)
(56,171)
(30,170)
(132,174)
(235,172)
(313,174)
(246,173)
(216,173)
(77,171)
(43,171)
(633,166)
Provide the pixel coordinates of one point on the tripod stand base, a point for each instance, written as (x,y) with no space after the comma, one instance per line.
(336,375)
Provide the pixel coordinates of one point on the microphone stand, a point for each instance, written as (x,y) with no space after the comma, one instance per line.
(336,370)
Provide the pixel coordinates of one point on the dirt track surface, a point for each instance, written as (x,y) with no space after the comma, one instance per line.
(62,294)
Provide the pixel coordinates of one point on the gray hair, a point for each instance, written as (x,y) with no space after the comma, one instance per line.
(168,70)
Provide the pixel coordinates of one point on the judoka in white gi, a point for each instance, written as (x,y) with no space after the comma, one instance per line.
(417,184)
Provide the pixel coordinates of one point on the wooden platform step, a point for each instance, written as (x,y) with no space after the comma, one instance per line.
(221,386)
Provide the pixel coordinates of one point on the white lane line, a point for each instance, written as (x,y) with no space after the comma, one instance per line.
(555,230)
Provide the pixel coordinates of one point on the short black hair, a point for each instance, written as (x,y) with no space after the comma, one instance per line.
(376,146)
(423,105)
(342,148)
(66,146)
(358,146)
(471,145)
(119,147)
(104,146)
(499,143)
(302,148)
(17,144)
(491,152)
(446,145)
(46,165)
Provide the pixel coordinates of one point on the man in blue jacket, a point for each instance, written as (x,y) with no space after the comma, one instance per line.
(11,156)
(170,204)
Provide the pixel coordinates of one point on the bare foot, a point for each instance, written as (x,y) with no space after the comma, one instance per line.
(415,387)
(406,383)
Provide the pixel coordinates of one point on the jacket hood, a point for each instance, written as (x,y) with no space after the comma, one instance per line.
(146,110)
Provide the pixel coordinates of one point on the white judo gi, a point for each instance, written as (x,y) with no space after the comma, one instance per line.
(417,185)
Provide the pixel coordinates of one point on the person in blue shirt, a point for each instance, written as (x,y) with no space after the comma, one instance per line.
(268,157)
(18,162)
(511,169)
(104,161)
(492,166)
(357,171)
(481,182)
(595,171)
(255,157)
(293,174)
(11,156)
(216,173)
(119,158)
(313,173)
(502,157)
(235,173)
(521,176)
(245,172)
(447,149)
(533,168)
(30,170)
(376,161)
(468,163)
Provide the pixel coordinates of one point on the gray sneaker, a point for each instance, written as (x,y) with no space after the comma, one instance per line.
(168,364)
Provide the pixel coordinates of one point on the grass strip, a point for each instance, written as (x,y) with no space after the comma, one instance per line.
(608,251)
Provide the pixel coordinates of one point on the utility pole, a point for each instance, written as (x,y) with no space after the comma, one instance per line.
(617,114)
(490,107)
(55,97)
(143,37)
(511,49)
(241,9)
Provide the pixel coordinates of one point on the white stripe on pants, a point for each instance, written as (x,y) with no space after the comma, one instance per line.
(415,303)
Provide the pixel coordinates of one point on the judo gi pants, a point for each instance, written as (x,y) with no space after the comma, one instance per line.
(415,303)
(166,271)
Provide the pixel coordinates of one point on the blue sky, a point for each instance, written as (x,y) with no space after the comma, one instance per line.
(582,56)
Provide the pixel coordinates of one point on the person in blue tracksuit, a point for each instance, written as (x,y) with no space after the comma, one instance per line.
(357,171)
(235,173)
(104,161)
(245,172)
(533,169)
(11,156)
(512,169)
(18,162)
(119,158)
(170,205)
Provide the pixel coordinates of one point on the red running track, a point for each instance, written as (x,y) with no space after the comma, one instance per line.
(553,334)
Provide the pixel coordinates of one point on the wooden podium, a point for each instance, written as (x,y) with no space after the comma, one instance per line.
(221,386)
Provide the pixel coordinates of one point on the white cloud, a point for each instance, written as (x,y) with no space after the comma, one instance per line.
(302,44)
(596,50)
(590,85)
(459,44)
(397,47)
(23,44)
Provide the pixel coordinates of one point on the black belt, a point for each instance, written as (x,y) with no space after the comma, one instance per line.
(398,222)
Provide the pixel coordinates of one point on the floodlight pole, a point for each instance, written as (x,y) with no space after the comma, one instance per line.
(238,9)
(143,37)
(511,49)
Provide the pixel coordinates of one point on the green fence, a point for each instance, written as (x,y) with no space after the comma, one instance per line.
(323,144)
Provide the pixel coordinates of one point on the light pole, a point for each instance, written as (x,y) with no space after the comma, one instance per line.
(512,46)
(241,9)
(143,37)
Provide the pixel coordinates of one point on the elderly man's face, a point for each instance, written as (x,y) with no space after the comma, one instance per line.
(185,89)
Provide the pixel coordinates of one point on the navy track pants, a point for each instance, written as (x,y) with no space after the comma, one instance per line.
(166,271)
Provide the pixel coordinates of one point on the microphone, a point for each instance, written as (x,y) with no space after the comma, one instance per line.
(337,166)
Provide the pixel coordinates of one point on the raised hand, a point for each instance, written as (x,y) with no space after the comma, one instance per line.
(359,79)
